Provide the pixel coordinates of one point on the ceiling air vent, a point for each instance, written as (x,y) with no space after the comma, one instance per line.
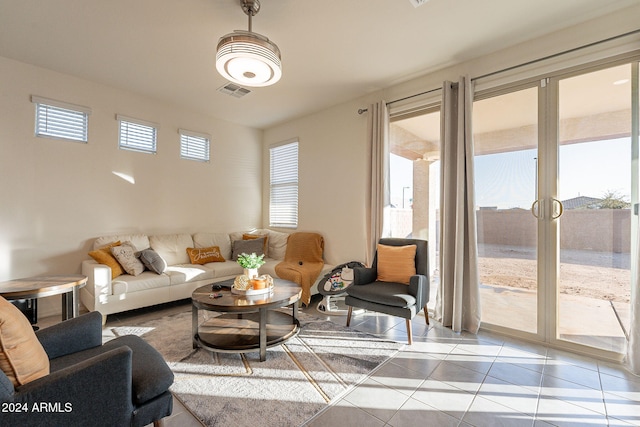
(417,3)
(234,90)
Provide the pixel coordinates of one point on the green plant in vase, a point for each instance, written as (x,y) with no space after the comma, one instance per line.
(251,263)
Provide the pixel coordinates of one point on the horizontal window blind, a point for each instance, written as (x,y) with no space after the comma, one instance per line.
(55,119)
(137,135)
(283,204)
(194,146)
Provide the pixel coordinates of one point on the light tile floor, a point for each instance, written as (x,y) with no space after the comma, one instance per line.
(449,379)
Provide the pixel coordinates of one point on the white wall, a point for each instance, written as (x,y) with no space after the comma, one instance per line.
(56,196)
(333,142)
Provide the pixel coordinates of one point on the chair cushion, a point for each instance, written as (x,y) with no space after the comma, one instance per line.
(396,263)
(22,357)
(150,374)
(385,293)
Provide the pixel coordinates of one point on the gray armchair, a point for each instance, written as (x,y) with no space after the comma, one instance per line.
(124,382)
(396,299)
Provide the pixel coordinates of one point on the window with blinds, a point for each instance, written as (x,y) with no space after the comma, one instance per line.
(194,146)
(283,202)
(56,119)
(137,135)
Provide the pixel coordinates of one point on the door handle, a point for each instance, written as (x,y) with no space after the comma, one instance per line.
(540,213)
(561,209)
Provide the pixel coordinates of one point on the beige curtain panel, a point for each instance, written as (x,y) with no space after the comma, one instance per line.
(633,348)
(378,170)
(458,297)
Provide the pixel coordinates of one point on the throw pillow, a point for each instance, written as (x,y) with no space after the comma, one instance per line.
(396,263)
(22,357)
(153,261)
(104,256)
(265,247)
(125,255)
(205,255)
(247,247)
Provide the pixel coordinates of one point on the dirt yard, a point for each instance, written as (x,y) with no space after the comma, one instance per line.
(591,274)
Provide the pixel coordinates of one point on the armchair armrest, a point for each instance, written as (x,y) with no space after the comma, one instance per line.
(72,335)
(419,288)
(364,276)
(95,389)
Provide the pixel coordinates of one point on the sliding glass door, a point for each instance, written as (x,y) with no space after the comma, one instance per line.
(596,193)
(556,178)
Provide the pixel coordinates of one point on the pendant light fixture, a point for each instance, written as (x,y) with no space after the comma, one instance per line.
(248,58)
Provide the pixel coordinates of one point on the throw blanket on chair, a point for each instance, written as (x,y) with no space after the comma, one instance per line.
(302,261)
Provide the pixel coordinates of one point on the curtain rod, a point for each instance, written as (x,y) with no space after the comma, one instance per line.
(534,61)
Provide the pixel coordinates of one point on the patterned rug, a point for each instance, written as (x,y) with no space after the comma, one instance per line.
(298,379)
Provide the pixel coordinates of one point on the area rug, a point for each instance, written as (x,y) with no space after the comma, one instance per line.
(298,379)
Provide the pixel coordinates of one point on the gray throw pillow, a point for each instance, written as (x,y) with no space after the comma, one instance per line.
(247,247)
(153,261)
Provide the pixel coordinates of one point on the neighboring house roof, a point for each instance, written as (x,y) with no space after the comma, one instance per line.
(581,202)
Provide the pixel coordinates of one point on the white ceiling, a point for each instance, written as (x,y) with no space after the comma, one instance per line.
(332,50)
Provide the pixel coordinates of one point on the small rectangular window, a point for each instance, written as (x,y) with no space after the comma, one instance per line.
(137,135)
(57,119)
(194,146)
(283,168)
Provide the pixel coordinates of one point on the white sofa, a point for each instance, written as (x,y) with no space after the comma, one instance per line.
(127,292)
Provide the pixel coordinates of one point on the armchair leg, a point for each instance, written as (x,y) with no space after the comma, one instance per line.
(158,423)
(426,314)
(349,315)
(409,332)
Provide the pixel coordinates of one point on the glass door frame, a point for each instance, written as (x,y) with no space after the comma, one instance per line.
(548,255)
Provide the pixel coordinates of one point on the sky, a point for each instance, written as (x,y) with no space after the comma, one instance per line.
(508,180)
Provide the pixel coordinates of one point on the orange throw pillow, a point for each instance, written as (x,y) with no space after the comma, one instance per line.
(104,256)
(396,263)
(205,255)
(22,357)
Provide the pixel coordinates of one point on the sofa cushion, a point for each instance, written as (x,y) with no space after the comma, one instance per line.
(225,269)
(172,247)
(277,244)
(153,261)
(183,273)
(139,241)
(147,280)
(221,240)
(126,257)
(247,247)
(205,255)
(22,357)
(104,256)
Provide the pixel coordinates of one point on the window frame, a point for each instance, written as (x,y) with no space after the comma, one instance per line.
(63,115)
(151,146)
(284,194)
(195,138)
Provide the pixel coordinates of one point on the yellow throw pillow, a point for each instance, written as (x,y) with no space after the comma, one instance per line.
(104,256)
(396,263)
(265,247)
(205,255)
(22,357)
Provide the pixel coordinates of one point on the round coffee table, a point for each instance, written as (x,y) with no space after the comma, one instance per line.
(245,323)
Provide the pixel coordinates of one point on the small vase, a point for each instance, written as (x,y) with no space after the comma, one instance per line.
(251,272)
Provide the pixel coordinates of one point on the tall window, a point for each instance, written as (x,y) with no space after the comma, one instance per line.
(137,135)
(56,119)
(194,146)
(283,204)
